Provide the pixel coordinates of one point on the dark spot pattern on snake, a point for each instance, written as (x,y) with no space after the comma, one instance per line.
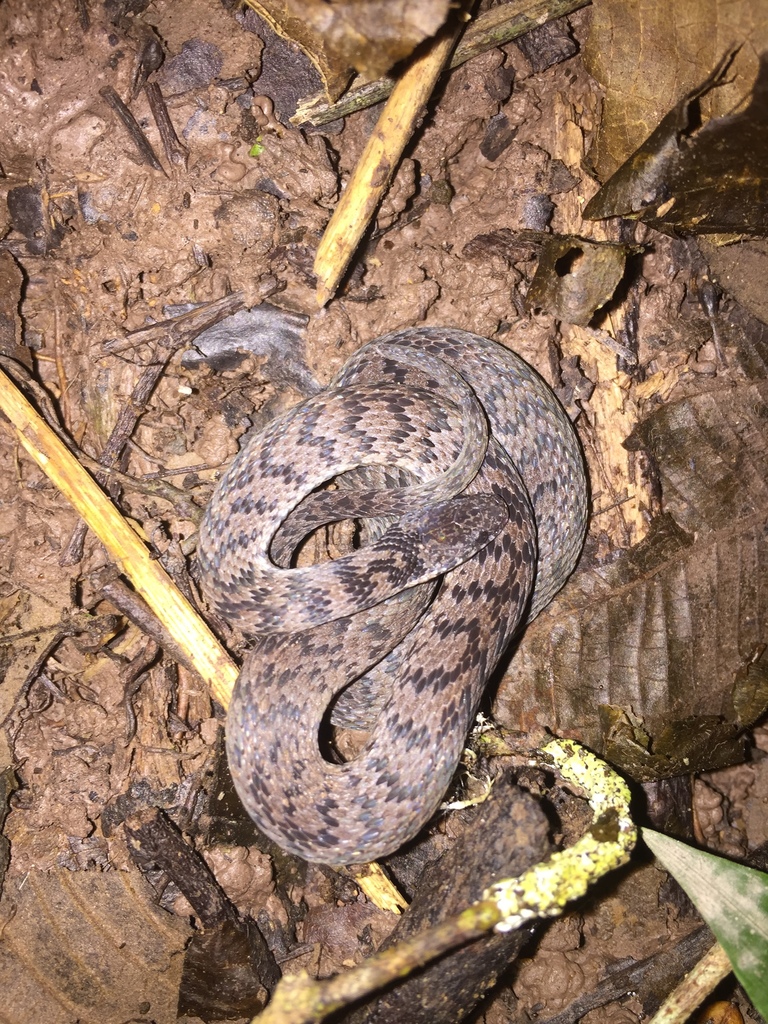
(469,484)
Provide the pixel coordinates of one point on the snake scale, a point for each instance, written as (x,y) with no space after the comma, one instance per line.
(467,482)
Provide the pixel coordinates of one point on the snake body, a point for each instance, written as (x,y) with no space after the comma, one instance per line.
(469,482)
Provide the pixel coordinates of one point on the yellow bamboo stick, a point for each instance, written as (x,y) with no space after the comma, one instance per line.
(130,553)
(146,574)
(377,164)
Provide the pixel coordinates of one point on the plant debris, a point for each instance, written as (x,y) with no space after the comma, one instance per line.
(112,271)
(694,177)
(347,36)
(576,277)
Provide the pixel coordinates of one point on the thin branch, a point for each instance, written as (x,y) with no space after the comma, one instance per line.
(494,28)
(542,891)
(123,543)
(379,161)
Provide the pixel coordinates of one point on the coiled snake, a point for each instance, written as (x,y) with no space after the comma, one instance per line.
(468,481)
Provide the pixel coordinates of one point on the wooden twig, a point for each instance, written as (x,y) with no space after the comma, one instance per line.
(179,330)
(695,987)
(377,886)
(129,604)
(124,545)
(132,126)
(175,152)
(132,677)
(542,891)
(300,999)
(378,163)
(494,28)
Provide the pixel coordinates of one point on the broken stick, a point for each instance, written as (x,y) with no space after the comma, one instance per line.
(123,543)
(378,163)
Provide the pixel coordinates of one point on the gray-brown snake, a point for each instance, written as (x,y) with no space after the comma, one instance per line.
(469,482)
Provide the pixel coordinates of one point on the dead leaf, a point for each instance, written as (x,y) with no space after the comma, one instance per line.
(676,750)
(348,36)
(8,784)
(740,270)
(664,632)
(219,980)
(88,945)
(575,277)
(750,693)
(646,54)
(697,178)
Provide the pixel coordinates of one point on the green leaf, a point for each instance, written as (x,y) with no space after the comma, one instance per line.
(732,899)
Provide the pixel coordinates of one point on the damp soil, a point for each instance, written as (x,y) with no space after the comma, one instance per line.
(99,245)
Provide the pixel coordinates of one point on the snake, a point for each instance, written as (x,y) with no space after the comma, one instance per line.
(463,484)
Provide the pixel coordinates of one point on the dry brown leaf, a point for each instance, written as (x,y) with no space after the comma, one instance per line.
(668,632)
(349,36)
(697,178)
(647,54)
(740,270)
(88,945)
(575,277)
